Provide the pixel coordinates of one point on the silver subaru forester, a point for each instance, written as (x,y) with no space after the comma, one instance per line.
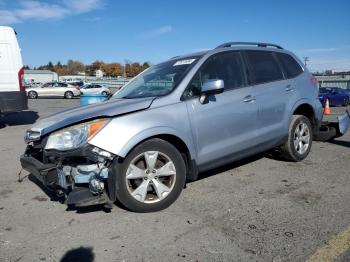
(174,120)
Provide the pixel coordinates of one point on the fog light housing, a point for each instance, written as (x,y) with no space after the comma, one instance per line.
(102,153)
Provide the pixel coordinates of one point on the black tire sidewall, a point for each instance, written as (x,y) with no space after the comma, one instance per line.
(299,119)
(32,92)
(66,95)
(122,192)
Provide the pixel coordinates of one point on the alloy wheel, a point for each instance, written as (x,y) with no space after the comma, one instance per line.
(150,177)
(301,138)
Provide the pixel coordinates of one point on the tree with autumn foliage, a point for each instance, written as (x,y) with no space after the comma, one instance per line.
(74,67)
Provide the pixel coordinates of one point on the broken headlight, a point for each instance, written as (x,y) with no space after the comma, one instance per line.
(75,136)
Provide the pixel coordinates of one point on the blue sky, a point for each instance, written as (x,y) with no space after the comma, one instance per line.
(140,30)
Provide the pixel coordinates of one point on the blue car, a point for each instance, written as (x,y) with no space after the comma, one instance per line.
(337,96)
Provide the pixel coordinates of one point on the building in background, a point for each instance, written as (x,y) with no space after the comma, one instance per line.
(99,73)
(39,76)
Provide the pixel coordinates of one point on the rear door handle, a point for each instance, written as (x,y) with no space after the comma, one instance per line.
(289,88)
(249,99)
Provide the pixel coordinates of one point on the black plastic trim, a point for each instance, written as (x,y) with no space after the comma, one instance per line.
(13,101)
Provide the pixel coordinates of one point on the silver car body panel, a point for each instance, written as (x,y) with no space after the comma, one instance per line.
(206,129)
(79,114)
(344,122)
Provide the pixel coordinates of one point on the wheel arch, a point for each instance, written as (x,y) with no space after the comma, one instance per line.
(178,141)
(307,110)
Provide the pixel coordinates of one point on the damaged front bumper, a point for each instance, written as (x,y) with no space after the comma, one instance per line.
(79,175)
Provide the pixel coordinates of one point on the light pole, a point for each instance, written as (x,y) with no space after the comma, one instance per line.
(126,61)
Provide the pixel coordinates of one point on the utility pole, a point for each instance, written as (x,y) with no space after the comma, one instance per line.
(306,59)
(126,61)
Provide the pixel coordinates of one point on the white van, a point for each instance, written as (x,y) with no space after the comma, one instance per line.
(12,91)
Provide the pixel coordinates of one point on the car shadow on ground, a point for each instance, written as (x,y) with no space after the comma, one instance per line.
(340,143)
(227,167)
(19,118)
(79,254)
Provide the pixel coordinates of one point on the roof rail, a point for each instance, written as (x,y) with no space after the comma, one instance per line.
(229,44)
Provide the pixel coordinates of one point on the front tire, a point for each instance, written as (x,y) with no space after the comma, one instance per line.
(68,95)
(151,177)
(299,142)
(346,102)
(32,95)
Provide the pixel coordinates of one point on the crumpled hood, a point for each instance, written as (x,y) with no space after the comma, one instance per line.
(110,108)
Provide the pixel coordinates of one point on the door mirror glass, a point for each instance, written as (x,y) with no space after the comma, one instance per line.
(213,86)
(210,87)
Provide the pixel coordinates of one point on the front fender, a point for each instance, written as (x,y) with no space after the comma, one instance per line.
(152,132)
(125,132)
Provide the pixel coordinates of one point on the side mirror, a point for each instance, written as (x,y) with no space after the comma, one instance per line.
(211,86)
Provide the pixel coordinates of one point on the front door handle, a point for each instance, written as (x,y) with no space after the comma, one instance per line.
(289,88)
(248,99)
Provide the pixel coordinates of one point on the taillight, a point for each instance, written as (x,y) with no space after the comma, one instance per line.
(313,80)
(21,79)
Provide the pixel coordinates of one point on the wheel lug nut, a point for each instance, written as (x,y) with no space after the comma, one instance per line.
(145,178)
(153,171)
(147,171)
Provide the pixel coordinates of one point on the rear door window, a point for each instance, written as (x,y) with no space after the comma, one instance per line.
(290,66)
(264,67)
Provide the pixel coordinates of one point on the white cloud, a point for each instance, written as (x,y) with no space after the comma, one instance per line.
(328,49)
(335,64)
(157,32)
(39,10)
(83,6)
(7,18)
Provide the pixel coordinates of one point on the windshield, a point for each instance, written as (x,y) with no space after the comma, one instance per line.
(158,80)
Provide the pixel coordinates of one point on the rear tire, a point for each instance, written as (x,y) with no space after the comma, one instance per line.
(143,188)
(68,95)
(32,94)
(104,93)
(299,142)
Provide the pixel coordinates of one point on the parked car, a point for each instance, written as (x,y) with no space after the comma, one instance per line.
(336,96)
(178,118)
(33,84)
(12,91)
(53,89)
(91,89)
(77,84)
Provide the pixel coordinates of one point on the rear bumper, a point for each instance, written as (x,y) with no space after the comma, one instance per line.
(13,101)
(343,123)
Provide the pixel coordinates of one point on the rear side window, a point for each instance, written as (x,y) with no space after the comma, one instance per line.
(290,66)
(264,67)
(225,66)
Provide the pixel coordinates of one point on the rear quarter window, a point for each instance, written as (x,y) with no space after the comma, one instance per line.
(264,67)
(290,67)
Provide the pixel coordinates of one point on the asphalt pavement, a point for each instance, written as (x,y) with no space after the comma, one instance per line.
(257,209)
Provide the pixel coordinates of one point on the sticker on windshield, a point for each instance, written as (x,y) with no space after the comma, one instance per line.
(184,62)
